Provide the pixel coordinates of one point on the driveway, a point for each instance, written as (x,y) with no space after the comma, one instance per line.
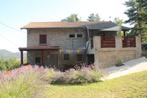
(131,66)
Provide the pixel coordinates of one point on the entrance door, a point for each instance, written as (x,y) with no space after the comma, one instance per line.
(90,58)
(37,60)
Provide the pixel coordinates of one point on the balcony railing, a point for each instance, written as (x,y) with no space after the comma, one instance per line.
(129,42)
(107,41)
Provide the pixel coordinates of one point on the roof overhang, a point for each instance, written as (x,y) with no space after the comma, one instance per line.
(39,48)
(116,28)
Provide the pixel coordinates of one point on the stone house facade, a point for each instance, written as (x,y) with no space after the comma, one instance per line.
(63,44)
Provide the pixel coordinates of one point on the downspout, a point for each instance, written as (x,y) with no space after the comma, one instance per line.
(87,44)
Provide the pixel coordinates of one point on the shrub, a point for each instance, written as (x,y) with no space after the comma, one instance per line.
(9,64)
(23,82)
(119,63)
(144,53)
(72,76)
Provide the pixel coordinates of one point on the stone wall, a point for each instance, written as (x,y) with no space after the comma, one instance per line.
(56,37)
(105,57)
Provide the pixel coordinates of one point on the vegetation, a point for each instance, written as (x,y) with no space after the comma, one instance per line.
(23,82)
(72,76)
(131,86)
(33,82)
(119,62)
(119,22)
(137,13)
(71,18)
(74,18)
(8,64)
(93,17)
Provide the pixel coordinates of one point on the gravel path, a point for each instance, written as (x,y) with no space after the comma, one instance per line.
(131,66)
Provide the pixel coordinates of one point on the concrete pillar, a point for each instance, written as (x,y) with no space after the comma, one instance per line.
(97,42)
(138,46)
(118,42)
(21,57)
(97,46)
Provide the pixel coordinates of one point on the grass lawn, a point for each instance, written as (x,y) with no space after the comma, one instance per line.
(130,86)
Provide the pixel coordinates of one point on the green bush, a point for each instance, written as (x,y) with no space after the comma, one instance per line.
(144,53)
(9,64)
(119,62)
(72,76)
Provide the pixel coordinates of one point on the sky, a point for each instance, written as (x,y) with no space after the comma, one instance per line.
(16,13)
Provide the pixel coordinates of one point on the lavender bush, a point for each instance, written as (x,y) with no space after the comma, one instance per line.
(29,81)
(72,76)
(23,82)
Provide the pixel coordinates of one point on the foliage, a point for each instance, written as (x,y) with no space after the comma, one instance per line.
(144,52)
(93,17)
(137,13)
(27,82)
(72,76)
(23,82)
(9,64)
(119,22)
(119,63)
(130,86)
(71,18)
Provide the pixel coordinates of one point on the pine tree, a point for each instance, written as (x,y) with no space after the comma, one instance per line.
(137,13)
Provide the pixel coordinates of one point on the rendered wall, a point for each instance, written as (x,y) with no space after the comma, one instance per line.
(105,57)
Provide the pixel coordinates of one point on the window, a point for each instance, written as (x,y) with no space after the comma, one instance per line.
(37,60)
(79,35)
(72,36)
(66,56)
(79,57)
(43,39)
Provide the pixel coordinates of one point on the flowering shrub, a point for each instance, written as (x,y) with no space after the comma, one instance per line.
(29,81)
(23,82)
(72,76)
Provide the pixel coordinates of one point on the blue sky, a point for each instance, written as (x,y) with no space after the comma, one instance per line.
(16,13)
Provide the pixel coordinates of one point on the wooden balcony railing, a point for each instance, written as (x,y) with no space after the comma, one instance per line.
(107,41)
(129,42)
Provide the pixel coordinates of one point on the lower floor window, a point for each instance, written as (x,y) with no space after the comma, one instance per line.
(37,60)
(79,57)
(66,56)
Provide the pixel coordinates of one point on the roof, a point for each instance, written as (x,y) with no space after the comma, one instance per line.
(39,48)
(116,28)
(90,25)
(54,25)
(107,26)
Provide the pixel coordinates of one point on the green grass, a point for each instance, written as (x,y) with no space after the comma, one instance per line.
(131,86)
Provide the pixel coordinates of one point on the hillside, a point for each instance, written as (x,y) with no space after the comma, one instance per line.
(5,54)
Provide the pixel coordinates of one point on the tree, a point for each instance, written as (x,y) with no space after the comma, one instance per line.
(137,13)
(71,18)
(119,22)
(93,17)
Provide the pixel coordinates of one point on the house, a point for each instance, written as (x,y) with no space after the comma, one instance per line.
(68,43)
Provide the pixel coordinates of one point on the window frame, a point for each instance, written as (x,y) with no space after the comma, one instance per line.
(43,39)
(37,60)
(66,56)
(81,35)
(81,57)
(74,35)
